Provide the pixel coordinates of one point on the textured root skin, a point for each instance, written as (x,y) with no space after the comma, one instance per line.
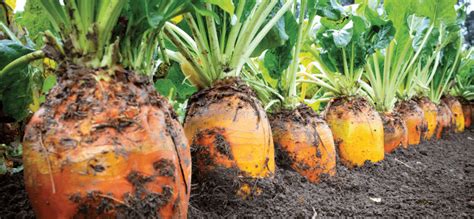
(467,111)
(413,116)
(395,132)
(304,142)
(357,129)
(445,121)
(430,114)
(228,129)
(106,148)
(457,111)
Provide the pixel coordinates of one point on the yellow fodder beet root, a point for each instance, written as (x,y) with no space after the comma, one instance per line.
(431,116)
(304,142)
(456,109)
(445,118)
(413,116)
(395,132)
(357,129)
(228,129)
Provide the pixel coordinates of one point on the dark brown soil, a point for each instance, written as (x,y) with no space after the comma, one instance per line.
(13,198)
(432,179)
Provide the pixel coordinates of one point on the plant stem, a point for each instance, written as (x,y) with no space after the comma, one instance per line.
(9,33)
(23,60)
(292,94)
(202,47)
(234,31)
(161,43)
(189,58)
(245,34)
(214,43)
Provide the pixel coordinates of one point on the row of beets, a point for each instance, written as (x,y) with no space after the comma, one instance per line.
(121,150)
(232,133)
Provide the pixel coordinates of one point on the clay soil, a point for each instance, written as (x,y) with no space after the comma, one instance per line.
(432,179)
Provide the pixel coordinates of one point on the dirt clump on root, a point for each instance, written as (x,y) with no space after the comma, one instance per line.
(433,179)
(302,114)
(141,204)
(221,89)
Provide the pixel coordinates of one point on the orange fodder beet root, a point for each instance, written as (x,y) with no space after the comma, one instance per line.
(228,129)
(395,132)
(357,129)
(445,118)
(431,116)
(467,112)
(457,111)
(304,142)
(413,116)
(106,148)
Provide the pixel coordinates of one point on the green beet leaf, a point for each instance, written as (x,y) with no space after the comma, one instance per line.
(15,86)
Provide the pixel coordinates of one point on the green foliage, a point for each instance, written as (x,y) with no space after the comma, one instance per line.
(439,11)
(218,43)
(330,9)
(139,30)
(398,12)
(15,85)
(341,47)
(35,20)
(175,85)
(278,59)
(279,66)
(3,13)
(464,80)
(104,33)
(448,65)
(439,57)
(391,69)
(347,43)
(176,88)
(226,5)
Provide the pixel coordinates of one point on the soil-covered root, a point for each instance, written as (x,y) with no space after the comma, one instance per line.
(227,128)
(430,114)
(445,121)
(304,143)
(395,132)
(457,111)
(357,129)
(413,116)
(467,112)
(105,144)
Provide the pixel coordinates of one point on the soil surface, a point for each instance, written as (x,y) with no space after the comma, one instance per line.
(432,179)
